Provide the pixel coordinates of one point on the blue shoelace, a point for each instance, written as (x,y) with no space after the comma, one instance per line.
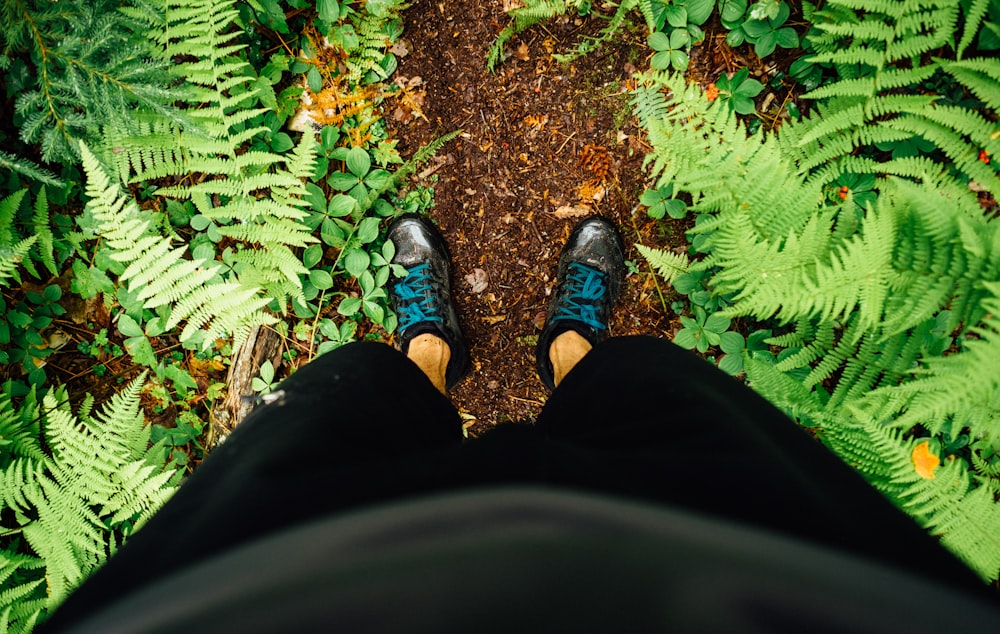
(585,286)
(418,303)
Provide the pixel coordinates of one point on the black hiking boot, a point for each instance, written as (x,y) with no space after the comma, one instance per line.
(422,299)
(591,272)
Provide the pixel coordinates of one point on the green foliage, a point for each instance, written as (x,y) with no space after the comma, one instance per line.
(82,65)
(537,11)
(884,54)
(886,310)
(739,91)
(74,487)
(159,275)
(26,318)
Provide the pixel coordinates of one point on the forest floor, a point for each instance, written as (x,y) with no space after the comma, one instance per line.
(543,144)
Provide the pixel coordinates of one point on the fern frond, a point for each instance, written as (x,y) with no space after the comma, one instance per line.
(980,75)
(668,265)
(533,12)
(159,274)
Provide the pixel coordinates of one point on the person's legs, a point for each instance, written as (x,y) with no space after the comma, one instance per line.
(642,417)
(357,425)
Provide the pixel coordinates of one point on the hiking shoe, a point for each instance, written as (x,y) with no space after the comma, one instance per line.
(591,272)
(422,299)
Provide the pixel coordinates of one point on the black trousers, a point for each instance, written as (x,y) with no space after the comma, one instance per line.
(637,418)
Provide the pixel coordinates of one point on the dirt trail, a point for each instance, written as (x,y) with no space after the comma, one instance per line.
(542,143)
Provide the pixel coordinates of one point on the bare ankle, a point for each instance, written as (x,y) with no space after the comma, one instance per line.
(431,354)
(565,352)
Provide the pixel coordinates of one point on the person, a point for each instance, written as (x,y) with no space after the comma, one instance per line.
(652,493)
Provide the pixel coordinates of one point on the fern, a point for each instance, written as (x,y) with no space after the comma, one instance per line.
(92,65)
(254,197)
(591,44)
(159,274)
(72,509)
(19,251)
(861,295)
(668,265)
(882,52)
(533,12)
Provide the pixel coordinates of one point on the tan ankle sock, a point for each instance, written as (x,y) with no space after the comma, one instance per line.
(565,352)
(431,354)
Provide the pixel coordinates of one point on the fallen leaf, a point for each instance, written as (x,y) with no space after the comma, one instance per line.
(478,280)
(572,211)
(924,462)
(510,5)
(522,52)
(592,191)
(400,48)
(494,319)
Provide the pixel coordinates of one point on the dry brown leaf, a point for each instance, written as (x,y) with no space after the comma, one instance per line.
(592,191)
(536,122)
(401,48)
(478,280)
(510,5)
(492,320)
(523,53)
(572,211)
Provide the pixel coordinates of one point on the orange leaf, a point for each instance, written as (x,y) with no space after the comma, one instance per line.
(924,461)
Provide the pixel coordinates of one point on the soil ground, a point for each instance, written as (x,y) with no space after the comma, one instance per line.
(543,144)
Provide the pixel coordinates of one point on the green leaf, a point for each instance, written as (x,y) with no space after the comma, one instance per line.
(312,255)
(321,279)
(685,283)
(341,205)
(368,230)
(765,45)
(52,293)
(332,234)
(679,60)
(129,327)
(717,323)
(679,38)
(141,350)
(375,312)
(200,222)
(735,38)
(349,306)
(281,142)
(698,11)
(329,10)
(329,137)
(314,80)
(659,41)
(732,10)
(756,28)
(749,88)
(685,338)
(267,371)
(743,105)
(732,342)
(731,364)
(358,161)
(356,262)
(661,60)
(677,16)
(787,37)
(676,209)
(342,181)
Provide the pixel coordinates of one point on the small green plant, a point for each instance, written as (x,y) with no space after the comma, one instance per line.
(76,486)
(738,91)
(264,382)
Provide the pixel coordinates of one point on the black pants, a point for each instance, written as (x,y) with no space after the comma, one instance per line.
(638,418)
